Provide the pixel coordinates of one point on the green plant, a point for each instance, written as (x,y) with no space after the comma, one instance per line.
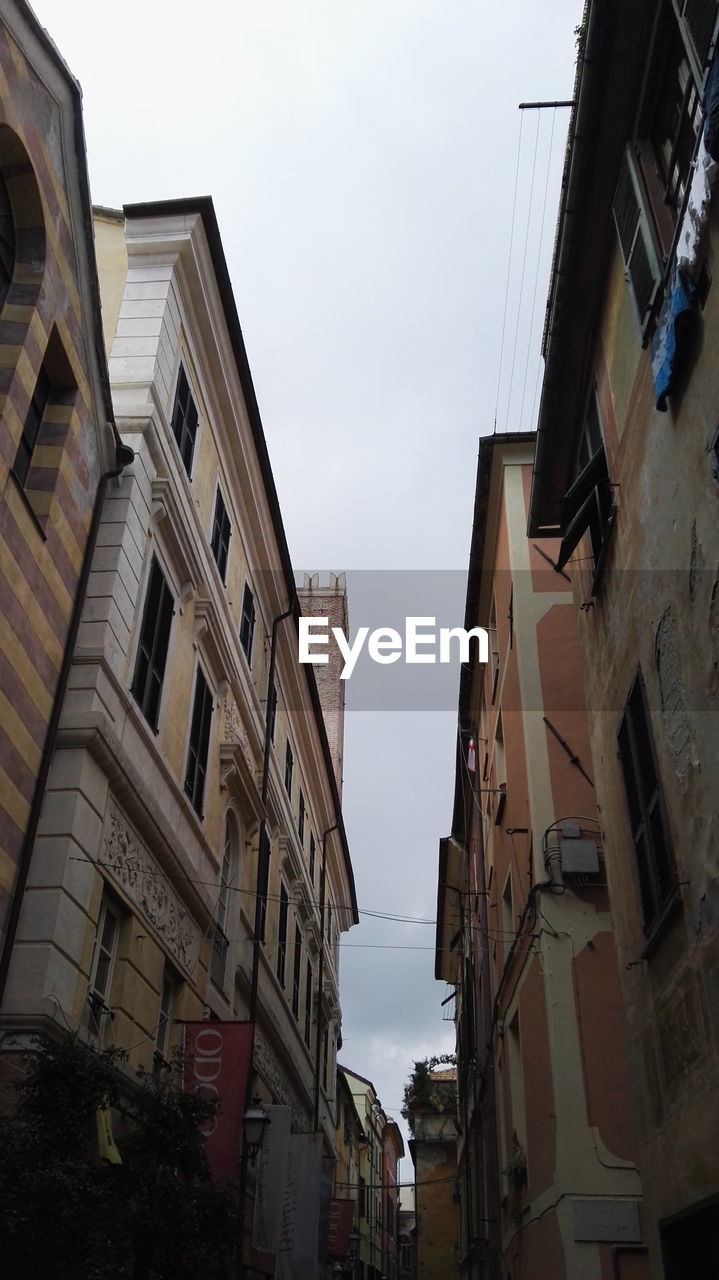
(65,1212)
(424,1092)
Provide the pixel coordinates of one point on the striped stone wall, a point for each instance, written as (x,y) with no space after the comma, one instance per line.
(44,317)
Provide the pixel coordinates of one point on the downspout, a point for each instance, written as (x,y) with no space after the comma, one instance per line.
(124,455)
(491,1161)
(321,977)
(263,853)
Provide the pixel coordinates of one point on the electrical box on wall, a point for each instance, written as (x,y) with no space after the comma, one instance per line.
(580,857)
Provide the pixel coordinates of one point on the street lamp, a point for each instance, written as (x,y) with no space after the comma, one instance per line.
(354,1242)
(254,1123)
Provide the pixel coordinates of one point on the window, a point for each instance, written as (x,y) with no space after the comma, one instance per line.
(199,743)
(221,533)
(220,941)
(31,427)
(325,1059)
(168,999)
(657,163)
(7,240)
(55,386)
(296,971)
(647,814)
(184,420)
(301,820)
(362,1198)
(282,936)
(272,711)
(312,858)
(289,765)
(588,506)
(247,622)
(103,957)
(308,1003)
(102,966)
(152,649)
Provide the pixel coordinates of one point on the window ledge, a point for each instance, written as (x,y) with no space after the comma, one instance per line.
(661,926)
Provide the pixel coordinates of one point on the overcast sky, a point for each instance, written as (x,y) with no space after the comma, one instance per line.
(363,161)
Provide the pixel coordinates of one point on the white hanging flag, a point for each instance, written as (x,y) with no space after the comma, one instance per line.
(471,757)
(298,1256)
(271,1166)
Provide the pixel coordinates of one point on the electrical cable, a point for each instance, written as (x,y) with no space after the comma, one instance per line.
(509,269)
(521,279)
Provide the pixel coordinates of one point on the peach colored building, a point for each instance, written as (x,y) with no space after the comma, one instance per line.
(433,1148)
(626,472)
(547,1179)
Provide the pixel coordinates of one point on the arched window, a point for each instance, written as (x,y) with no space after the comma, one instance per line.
(22,224)
(7,240)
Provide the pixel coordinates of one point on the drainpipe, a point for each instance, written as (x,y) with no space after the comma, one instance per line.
(263,854)
(124,455)
(321,977)
(488,1112)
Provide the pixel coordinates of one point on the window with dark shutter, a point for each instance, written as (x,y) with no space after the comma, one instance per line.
(308,1003)
(312,858)
(647,815)
(657,164)
(199,743)
(184,420)
(152,648)
(588,504)
(282,936)
(297,972)
(247,622)
(289,766)
(639,250)
(301,819)
(221,533)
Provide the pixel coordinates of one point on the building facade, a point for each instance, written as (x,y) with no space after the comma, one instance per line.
(191,861)
(58,441)
(435,1245)
(392,1153)
(547,1178)
(380,1150)
(626,474)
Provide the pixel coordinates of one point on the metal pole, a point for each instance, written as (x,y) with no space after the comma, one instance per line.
(320,977)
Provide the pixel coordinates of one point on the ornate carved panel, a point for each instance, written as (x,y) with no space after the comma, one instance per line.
(146,885)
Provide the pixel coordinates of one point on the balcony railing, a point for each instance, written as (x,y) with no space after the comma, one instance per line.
(218,959)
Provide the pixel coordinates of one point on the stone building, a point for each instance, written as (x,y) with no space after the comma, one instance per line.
(380,1150)
(57,441)
(191,860)
(547,1180)
(433,1147)
(626,473)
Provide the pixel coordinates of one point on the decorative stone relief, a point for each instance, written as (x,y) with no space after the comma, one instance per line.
(282,1091)
(147,886)
(235,731)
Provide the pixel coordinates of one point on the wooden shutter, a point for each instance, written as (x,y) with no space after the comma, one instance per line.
(698,19)
(636,239)
(655,860)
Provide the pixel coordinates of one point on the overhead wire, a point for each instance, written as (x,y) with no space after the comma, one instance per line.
(536,282)
(521,278)
(509,268)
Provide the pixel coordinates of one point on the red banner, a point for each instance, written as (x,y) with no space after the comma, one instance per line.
(341,1219)
(217,1063)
